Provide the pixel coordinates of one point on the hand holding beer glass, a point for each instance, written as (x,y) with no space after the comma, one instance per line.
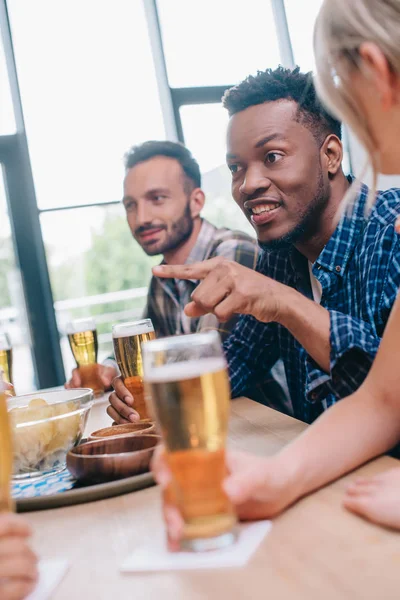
(82,336)
(127,339)
(6,453)
(6,360)
(187,384)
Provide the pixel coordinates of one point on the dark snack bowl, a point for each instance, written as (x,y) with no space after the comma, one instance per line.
(112,458)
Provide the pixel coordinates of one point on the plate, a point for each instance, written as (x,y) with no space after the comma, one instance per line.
(61,489)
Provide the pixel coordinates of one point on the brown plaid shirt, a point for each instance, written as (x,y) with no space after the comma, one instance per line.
(168,297)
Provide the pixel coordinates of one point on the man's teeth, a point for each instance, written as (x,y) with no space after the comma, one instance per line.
(261,208)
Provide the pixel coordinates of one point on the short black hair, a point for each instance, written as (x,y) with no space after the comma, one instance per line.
(151,149)
(288,84)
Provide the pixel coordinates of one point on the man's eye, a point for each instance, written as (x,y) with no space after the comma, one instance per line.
(159,197)
(273,157)
(234,169)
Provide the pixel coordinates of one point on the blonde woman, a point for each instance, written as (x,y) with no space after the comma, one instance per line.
(358,76)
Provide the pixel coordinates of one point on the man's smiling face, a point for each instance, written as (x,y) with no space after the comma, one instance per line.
(277,177)
(156,201)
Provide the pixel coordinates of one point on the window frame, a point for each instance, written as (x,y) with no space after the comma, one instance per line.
(20,191)
(26,232)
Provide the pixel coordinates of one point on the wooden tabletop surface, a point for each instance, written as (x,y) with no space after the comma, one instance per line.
(316,550)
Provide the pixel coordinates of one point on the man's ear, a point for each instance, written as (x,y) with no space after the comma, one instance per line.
(332,154)
(196,202)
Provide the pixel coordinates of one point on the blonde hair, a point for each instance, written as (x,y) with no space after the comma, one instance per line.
(341,27)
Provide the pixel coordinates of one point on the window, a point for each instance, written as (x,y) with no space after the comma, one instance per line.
(7,118)
(217,42)
(12,306)
(88,91)
(204,128)
(301,20)
(96,268)
(201,123)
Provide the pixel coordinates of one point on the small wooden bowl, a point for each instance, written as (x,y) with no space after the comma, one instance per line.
(112,458)
(125,429)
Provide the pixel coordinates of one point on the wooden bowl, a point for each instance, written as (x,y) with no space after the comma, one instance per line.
(112,458)
(125,429)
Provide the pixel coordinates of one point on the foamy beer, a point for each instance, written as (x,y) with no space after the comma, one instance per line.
(6,453)
(82,337)
(187,382)
(6,359)
(127,339)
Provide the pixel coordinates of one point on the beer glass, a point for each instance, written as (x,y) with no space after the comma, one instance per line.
(186,378)
(127,339)
(82,337)
(6,359)
(6,454)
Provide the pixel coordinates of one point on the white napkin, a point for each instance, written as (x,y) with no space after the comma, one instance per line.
(154,555)
(51,573)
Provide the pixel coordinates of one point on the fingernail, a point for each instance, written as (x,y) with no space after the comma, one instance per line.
(133,418)
(128,400)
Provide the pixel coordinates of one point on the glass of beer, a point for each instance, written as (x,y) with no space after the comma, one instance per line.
(187,381)
(127,339)
(6,359)
(82,337)
(6,454)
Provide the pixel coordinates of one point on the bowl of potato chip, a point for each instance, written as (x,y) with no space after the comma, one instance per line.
(45,426)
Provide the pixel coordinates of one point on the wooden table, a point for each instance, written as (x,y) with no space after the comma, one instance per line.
(316,550)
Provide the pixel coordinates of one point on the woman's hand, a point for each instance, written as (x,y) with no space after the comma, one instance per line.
(259,488)
(18,563)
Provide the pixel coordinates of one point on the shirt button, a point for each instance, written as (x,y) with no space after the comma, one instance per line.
(338,269)
(314,396)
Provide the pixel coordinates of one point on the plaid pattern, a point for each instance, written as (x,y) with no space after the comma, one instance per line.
(168,297)
(359,271)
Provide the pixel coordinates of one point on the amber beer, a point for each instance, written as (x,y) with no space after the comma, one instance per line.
(6,454)
(6,358)
(82,337)
(127,339)
(191,401)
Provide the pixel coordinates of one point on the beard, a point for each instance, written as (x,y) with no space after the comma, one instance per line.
(181,230)
(308,224)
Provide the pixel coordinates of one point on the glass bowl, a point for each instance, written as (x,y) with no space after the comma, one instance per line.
(46,425)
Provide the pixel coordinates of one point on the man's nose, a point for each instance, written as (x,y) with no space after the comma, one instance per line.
(143,214)
(254,180)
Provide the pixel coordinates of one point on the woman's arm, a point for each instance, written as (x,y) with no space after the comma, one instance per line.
(353,431)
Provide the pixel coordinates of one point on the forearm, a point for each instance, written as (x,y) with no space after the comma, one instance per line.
(350,433)
(309,323)
(354,430)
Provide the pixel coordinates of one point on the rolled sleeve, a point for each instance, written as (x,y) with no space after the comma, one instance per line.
(354,341)
(354,344)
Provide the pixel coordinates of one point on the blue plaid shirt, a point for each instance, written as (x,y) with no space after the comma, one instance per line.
(359,272)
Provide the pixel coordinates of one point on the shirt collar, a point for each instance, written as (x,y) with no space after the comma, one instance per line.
(337,252)
(200,251)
